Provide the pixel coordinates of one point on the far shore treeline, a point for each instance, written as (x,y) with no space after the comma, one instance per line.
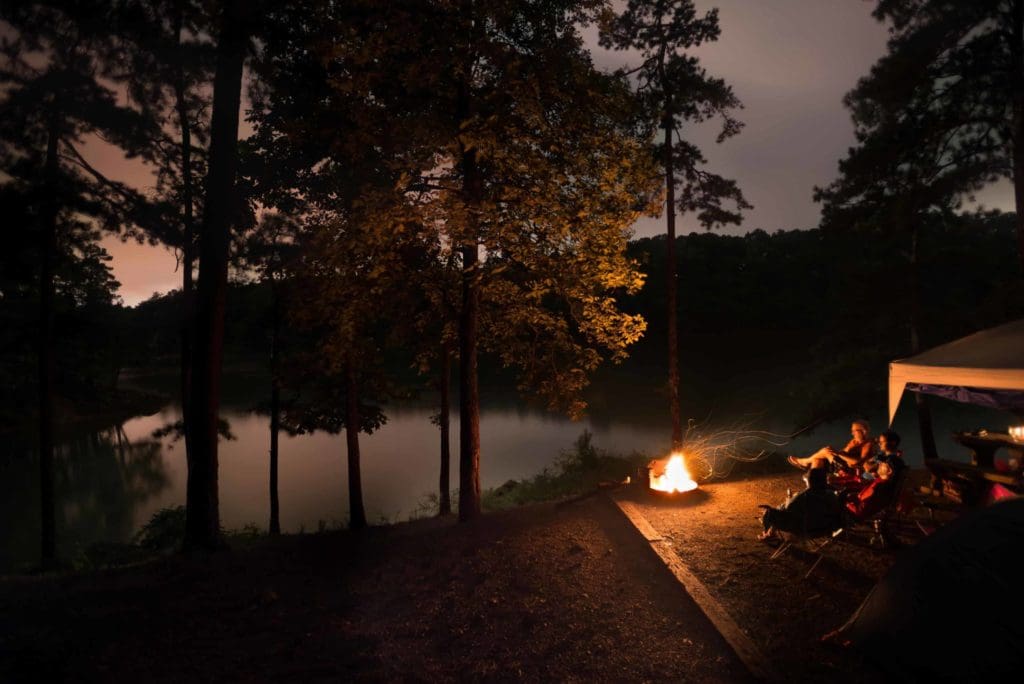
(816,315)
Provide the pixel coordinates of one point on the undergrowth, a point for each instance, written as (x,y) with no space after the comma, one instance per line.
(577,471)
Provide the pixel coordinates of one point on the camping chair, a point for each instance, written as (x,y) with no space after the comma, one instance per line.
(810,523)
(815,544)
(877,525)
(890,514)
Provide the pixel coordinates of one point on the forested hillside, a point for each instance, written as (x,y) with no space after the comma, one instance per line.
(811,316)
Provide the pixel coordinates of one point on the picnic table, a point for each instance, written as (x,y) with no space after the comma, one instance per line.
(975,482)
(984,444)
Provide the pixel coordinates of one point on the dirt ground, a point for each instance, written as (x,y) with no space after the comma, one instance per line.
(715,534)
(551,592)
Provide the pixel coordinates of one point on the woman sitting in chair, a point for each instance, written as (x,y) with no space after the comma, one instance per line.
(856,452)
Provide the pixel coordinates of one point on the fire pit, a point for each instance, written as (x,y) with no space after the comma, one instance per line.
(668,477)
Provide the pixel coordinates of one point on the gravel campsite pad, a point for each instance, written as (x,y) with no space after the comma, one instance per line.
(715,531)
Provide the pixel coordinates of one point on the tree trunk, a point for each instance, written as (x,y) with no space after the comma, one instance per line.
(47,256)
(673,323)
(444,489)
(1017,50)
(469,397)
(202,519)
(187,233)
(924,413)
(275,413)
(357,516)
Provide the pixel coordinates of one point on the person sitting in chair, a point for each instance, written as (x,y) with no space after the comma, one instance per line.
(888,453)
(856,452)
(814,512)
(883,475)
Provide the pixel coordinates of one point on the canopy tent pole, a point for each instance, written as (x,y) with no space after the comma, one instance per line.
(897,385)
(924,423)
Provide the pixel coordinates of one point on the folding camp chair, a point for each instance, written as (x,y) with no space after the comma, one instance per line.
(877,525)
(815,544)
(810,523)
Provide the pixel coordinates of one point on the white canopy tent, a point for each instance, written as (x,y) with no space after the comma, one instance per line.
(984,368)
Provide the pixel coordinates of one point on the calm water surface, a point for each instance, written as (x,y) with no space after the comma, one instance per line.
(110,481)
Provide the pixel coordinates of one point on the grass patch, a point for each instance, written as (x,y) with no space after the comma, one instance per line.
(577,471)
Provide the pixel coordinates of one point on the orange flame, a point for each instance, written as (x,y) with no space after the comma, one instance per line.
(675,478)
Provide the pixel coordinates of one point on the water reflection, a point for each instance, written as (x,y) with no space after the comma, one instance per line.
(399,462)
(102,480)
(110,481)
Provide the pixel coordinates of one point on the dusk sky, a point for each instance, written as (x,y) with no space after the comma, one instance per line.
(789,61)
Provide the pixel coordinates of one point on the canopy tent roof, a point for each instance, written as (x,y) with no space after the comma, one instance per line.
(984,368)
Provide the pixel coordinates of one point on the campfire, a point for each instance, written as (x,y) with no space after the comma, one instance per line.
(669,476)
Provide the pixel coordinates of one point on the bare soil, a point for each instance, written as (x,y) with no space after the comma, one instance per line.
(553,592)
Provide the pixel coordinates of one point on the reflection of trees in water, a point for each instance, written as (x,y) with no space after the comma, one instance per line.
(19,502)
(101,479)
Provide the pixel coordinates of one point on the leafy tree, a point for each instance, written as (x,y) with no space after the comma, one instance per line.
(488,124)
(545,173)
(350,279)
(675,90)
(331,143)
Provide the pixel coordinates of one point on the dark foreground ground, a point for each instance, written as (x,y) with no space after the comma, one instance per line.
(551,592)
(545,593)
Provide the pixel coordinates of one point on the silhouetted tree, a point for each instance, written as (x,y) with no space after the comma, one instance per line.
(53,99)
(202,525)
(951,82)
(165,62)
(884,198)
(939,117)
(435,336)
(266,253)
(676,90)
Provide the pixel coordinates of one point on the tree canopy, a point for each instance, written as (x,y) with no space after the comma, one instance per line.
(941,114)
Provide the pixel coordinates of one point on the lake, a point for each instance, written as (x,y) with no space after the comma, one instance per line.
(109,481)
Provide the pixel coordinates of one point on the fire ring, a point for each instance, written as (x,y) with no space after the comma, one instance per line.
(669,478)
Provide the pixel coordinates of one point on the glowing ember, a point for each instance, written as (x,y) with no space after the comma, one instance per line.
(674,478)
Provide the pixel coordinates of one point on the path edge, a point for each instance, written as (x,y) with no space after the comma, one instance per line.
(746,650)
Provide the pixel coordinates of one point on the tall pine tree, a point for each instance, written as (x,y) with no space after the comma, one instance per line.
(952,83)
(676,90)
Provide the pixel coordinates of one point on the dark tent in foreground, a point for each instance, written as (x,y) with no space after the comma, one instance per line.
(951,607)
